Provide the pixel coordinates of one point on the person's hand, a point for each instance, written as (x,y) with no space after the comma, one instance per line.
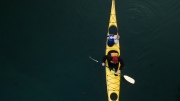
(118,71)
(103,64)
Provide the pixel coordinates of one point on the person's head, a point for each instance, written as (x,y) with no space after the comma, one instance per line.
(115,59)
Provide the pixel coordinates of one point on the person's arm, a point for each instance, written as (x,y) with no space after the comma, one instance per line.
(104,59)
(121,62)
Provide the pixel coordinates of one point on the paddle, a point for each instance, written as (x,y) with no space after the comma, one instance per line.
(129,79)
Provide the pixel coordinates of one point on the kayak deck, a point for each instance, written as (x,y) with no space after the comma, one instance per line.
(112,81)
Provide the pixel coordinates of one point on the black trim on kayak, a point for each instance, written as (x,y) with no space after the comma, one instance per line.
(112,30)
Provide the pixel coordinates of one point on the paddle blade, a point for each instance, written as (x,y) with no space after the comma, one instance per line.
(129,79)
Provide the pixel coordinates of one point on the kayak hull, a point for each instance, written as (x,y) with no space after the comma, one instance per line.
(112,81)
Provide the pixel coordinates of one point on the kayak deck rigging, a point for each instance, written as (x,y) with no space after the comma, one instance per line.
(110,86)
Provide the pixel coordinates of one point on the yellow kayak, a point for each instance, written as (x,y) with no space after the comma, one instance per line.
(112,81)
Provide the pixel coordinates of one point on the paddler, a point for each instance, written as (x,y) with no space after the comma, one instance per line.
(113,60)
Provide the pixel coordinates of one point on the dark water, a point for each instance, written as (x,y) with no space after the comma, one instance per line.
(45,47)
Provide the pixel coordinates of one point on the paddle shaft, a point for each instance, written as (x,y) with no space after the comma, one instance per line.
(129,79)
(104,66)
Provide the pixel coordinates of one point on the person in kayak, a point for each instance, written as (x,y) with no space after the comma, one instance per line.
(112,39)
(113,60)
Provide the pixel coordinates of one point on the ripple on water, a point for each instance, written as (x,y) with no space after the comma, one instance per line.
(140,19)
